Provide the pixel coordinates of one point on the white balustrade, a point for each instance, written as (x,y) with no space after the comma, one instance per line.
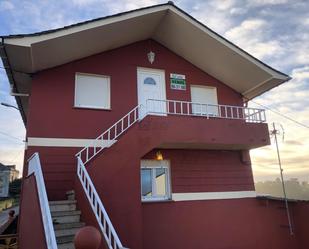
(106,226)
(185,108)
(34,167)
(109,137)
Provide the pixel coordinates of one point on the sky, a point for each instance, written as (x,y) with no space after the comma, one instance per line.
(274,31)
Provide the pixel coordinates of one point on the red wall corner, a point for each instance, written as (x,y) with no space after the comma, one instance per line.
(31,230)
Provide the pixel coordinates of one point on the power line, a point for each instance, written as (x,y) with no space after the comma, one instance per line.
(282,115)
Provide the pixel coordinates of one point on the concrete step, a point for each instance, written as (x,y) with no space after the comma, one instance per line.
(67,205)
(66,232)
(65,216)
(69,245)
(65,239)
(69,225)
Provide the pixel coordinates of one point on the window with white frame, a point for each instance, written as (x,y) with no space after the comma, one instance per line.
(155,180)
(92,91)
(204,100)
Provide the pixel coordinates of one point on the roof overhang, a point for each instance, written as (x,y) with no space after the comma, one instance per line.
(24,55)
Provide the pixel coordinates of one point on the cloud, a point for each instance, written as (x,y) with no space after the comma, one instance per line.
(6,5)
(293,142)
(250,35)
(266,2)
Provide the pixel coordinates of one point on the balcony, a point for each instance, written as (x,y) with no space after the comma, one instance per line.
(177,124)
(186,125)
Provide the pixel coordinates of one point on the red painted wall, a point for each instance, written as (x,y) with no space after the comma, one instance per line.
(59,164)
(207,171)
(301,223)
(230,224)
(116,172)
(30,229)
(51,111)
(58,167)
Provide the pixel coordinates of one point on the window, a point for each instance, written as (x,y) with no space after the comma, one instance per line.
(92,91)
(155,181)
(204,95)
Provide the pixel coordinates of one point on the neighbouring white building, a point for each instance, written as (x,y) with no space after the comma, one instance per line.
(8,173)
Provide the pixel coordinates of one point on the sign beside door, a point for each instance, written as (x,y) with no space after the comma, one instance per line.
(178,81)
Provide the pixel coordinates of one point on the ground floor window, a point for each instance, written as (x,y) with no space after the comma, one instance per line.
(155,180)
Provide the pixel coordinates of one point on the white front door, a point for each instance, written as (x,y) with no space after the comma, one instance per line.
(151,91)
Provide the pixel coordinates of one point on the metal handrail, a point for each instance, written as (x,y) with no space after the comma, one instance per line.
(186,108)
(98,209)
(34,167)
(110,135)
(89,152)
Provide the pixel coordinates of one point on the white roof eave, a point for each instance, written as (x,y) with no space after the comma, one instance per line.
(27,53)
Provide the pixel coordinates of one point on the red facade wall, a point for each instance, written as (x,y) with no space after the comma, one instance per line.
(51,109)
(207,170)
(58,167)
(116,172)
(30,229)
(59,164)
(230,224)
(52,113)
(301,223)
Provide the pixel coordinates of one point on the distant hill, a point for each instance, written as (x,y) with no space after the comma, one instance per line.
(294,188)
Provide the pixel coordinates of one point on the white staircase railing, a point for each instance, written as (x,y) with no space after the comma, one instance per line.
(186,108)
(34,167)
(89,152)
(98,209)
(110,135)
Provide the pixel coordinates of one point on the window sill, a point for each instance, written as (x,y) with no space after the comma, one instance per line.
(157,201)
(92,108)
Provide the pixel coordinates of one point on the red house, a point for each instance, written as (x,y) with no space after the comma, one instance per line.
(144,115)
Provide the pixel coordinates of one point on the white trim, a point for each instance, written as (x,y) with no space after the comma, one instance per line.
(68,142)
(213,195)
(27,41)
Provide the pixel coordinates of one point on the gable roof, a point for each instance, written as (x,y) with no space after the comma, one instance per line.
(167,24)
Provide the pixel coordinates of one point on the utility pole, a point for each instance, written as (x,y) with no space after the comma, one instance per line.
(275,132)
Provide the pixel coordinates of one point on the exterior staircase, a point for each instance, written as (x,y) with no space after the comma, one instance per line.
(66,221)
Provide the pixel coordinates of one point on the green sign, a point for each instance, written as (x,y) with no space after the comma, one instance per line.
(178,81)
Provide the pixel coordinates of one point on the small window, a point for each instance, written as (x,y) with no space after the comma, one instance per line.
(149,81)
(155,183)
(204,100)
(92,91)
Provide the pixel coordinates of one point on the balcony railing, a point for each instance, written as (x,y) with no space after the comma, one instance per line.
(185,108)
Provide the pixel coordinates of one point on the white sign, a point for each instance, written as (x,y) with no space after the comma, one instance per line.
(177,76)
